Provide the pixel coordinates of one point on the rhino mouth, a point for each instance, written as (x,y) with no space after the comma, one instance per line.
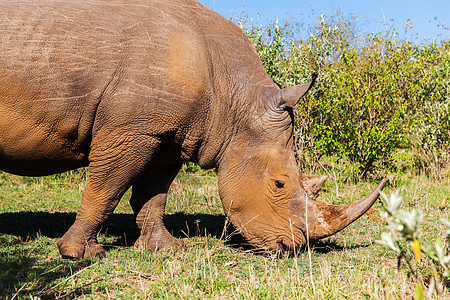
(283,245)
(285,248)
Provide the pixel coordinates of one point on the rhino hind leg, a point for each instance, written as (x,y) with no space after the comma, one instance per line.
(148,201)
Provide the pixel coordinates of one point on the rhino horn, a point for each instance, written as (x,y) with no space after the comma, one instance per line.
(288,97)
(313,184)
(331,219)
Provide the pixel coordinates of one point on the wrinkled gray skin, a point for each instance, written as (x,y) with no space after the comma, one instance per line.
(134,89)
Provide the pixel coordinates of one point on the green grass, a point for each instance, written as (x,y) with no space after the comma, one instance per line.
(35,212)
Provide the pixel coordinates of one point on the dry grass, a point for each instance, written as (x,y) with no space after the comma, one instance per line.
(347,265)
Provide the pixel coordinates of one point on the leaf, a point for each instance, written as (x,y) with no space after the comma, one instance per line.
(393,202)
(411,221)
(386,240)
(447,224)
(431,287)
(416,250)
(418,292)
(439,251)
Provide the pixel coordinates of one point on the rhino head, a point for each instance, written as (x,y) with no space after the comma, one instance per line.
(263,192)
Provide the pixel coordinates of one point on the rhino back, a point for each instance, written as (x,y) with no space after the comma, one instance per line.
(69,69)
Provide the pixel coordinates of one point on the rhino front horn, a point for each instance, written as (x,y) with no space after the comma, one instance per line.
(290,96)
(330,219)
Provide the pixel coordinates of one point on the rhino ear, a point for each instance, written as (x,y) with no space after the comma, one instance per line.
(288,97)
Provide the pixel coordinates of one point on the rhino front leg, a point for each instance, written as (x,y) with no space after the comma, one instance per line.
(97,203)
(148,201)
(112,170)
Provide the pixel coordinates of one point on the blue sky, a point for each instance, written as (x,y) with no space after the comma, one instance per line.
(421,13)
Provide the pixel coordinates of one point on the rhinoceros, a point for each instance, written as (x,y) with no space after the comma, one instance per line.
(133,89)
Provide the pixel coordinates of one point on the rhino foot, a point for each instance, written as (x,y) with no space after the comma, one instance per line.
(161,240)
(70,251)
(94,251)
(77,251)
(80,241)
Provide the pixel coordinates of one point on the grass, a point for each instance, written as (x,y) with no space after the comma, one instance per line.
(35,212)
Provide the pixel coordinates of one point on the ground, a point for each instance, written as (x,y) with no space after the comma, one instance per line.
(35,212)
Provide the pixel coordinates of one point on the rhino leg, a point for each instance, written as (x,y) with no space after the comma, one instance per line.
(112,170)
(148,201)
(81,238)
(98,202)
(81,241)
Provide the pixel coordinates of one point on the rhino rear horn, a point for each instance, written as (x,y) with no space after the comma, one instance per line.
(289,97)
(313,184)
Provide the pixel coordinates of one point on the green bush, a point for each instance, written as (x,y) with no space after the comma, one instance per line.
(404,238)
(431,134)
(362,110)
(374,91)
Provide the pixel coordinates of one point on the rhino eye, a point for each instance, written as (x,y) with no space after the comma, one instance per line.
(279,184)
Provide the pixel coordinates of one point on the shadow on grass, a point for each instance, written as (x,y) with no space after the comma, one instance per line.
(26,270)
(328,245)
(28,225)
(21,266)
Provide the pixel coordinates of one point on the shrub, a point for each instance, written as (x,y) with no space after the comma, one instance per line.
(366,104)
(404,239)
(431,134)
(373,90)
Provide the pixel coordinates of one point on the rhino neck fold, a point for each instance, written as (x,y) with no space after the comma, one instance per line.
(236,78)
